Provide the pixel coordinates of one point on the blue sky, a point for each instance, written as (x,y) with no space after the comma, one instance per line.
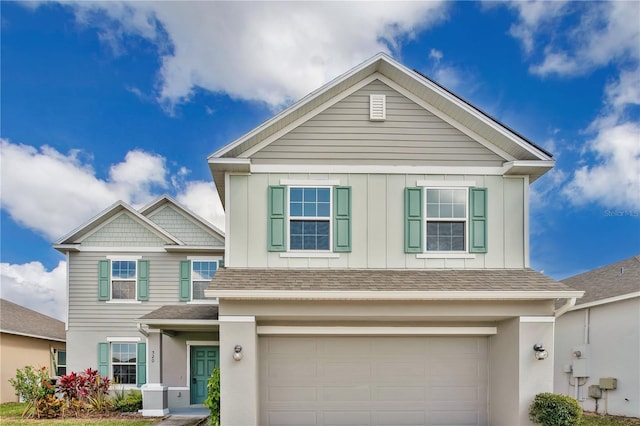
(125,100)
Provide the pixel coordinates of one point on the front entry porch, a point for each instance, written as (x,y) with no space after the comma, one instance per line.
(182,351)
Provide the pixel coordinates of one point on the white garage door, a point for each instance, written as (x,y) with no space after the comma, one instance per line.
(373,380)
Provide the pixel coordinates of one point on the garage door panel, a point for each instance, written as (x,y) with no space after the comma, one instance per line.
(371,380)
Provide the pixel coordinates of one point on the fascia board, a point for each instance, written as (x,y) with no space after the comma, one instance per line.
(103,215)
(390,295)
(33,336)
(605,301)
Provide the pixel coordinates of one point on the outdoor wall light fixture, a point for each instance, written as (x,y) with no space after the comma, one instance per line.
(540,352)
(237,353)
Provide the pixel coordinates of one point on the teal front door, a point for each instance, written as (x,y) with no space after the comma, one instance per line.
(203,360)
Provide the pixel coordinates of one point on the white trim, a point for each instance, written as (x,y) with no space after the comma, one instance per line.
(444,255)
(205,258)
(66,285)
(202,343)
(607,300)
(375,331)
(236,318)
(310,182)
(125,258)
(448,119)
(296,123)
(178,388)
(386,295)
(149,249)
(123,340)
(537,319)
(213,302)
(526,201)
(376,169)
(227,219)
(310,255)
(123,301)
(34,336)
(446,183)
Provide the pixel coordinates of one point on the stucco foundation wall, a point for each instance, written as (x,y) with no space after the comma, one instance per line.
(18,352)
(614,338)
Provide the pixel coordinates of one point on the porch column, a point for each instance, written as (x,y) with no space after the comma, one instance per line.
(238,379)
(155,401)
(515,375)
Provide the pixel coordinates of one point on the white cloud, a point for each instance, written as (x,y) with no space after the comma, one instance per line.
(605,32)
(32,286)
(202,198)
(436,55)
(53,193)
(272,52)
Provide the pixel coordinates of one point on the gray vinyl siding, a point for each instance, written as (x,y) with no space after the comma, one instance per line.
(377,223)
(123,231)
(343,134)
(184,229)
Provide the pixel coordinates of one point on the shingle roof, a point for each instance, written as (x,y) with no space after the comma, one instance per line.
(617,279)
(16,319)
(383,280)
(183,312)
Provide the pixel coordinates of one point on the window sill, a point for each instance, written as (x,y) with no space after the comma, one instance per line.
(117,302)
(314,255)
(445,256)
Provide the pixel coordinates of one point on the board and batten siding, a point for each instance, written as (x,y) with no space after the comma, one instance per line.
(410,135)
(123,231)
(377,223)
(184,229)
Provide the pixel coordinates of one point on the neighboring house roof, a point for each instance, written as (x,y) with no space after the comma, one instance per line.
(521,156)
(72,241)
(389,284)
(608,282)
(16,319)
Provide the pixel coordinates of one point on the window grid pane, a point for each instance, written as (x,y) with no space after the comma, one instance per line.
(202,273)
(310,202)
(123,362)
(198,289)
(309,213)
(309,235)
(446,203)
(123,290)
(445,236)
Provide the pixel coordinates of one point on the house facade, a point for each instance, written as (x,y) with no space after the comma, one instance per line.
(136,278)
(598,339)
(28,338)
(377,261)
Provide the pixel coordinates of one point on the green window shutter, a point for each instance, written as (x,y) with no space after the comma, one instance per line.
(103,359)
(185,280)
(221,263)
(413,236)
(143,280)
(141,365)
(103,279)
(342,219)
(478,220)
(276,229)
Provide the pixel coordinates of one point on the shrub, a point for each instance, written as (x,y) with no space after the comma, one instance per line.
(32,384)
(49,407)
(213,396)
(549,409)
(86,389)
(130,403)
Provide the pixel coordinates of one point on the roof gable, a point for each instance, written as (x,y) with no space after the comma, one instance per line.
(344,134)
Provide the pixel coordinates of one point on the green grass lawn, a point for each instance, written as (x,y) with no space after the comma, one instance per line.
(597,420)
(10,414)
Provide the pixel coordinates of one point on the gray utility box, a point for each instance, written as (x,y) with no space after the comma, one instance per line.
(608,383)
(595,392)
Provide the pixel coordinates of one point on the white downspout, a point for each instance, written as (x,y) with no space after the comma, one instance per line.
(141,330)
(564,308)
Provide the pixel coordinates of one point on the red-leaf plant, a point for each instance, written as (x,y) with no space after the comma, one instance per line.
(83,386)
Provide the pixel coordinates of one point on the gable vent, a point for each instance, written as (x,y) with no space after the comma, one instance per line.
(377,107)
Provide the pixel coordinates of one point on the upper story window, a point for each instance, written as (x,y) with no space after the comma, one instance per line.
(123,279)
(309,218)
(202,273)
(195,276)
(445,221)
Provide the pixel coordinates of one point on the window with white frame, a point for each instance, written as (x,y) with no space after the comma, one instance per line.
(123,362)
(446,219)
(123,279)
(310,218)
(202,272)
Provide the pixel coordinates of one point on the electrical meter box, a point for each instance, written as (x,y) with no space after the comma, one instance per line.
(595,392)
(608,383)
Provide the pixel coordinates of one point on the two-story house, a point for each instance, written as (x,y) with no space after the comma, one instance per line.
(377,261)
(138,276)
